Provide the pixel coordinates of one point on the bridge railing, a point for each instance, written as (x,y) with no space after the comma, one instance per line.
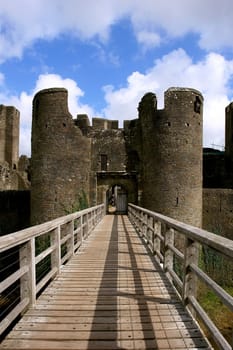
(39,253)
(159,232)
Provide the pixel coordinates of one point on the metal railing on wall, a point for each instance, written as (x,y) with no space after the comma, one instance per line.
(159,233)
(32,257)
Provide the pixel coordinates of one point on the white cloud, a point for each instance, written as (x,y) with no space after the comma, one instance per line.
(148,39)
(122,103)
(210,76)
(21,25)
(211,21)
(46,81)
(23,103)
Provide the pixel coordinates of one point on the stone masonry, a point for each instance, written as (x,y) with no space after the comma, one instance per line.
(154,161)
(12,176)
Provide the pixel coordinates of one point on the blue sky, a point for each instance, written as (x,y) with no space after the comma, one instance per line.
(108,53)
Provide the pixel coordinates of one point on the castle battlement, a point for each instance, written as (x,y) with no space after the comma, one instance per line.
(161,148)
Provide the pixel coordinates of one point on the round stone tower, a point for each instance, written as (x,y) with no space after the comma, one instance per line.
(172,155)
(60,158)
(229,132)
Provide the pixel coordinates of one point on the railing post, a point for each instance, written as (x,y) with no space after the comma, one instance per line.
(129,213)
(146,230)
(190,279)
(70,242)
(91,221)
(81,229)
(56,254)
(87,225)
(132,216)
(156,240)
(95,217)
(168,253)
(28,281)
(141,222)
(100,213)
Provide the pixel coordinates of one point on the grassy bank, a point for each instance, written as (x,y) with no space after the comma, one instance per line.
(219,313)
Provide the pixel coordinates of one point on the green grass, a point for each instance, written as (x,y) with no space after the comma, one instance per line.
(217,311)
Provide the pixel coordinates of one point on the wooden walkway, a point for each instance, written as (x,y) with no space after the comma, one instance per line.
(111,295)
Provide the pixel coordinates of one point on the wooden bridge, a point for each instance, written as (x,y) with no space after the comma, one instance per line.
(110,283)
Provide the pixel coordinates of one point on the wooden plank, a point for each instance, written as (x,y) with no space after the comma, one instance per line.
(80,345)
(110,295)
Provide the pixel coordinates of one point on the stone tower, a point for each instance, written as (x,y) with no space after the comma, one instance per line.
(60,158)
(9,136)
(229,132)
(172,154)
(156,159)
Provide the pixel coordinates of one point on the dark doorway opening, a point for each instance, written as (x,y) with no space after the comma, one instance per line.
(117,200)
(104,162)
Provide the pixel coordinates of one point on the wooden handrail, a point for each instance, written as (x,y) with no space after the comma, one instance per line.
(64,236)
(148,224)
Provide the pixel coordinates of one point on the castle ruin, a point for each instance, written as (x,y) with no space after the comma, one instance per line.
(13,174)
(154,161)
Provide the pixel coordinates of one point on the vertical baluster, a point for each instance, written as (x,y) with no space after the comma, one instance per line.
(56,254)
(157,242)
(168,253)
(145,233)
(28,281)
(81,229)
(70,242)
(141,222)
(190,279)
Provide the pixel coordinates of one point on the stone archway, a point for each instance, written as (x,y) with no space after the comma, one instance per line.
(120,187)
(117,200)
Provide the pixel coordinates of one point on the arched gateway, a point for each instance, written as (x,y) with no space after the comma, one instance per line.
(116,189)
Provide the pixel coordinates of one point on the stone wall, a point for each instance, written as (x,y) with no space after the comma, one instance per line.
(11,179)
(170,153)
(109,158)
(160,155)
(8,177)
(156,158)
(60,158)
(218,211)
(108,154)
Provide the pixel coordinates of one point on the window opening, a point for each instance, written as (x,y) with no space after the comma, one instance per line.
(197,105)
(104,162)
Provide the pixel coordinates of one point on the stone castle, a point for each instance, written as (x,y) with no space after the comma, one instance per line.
(155,161)
(13,174)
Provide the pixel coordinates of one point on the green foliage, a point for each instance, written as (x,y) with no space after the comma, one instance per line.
(217,311)
(220,269)
(178,267)
(82,201)
(216,265)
